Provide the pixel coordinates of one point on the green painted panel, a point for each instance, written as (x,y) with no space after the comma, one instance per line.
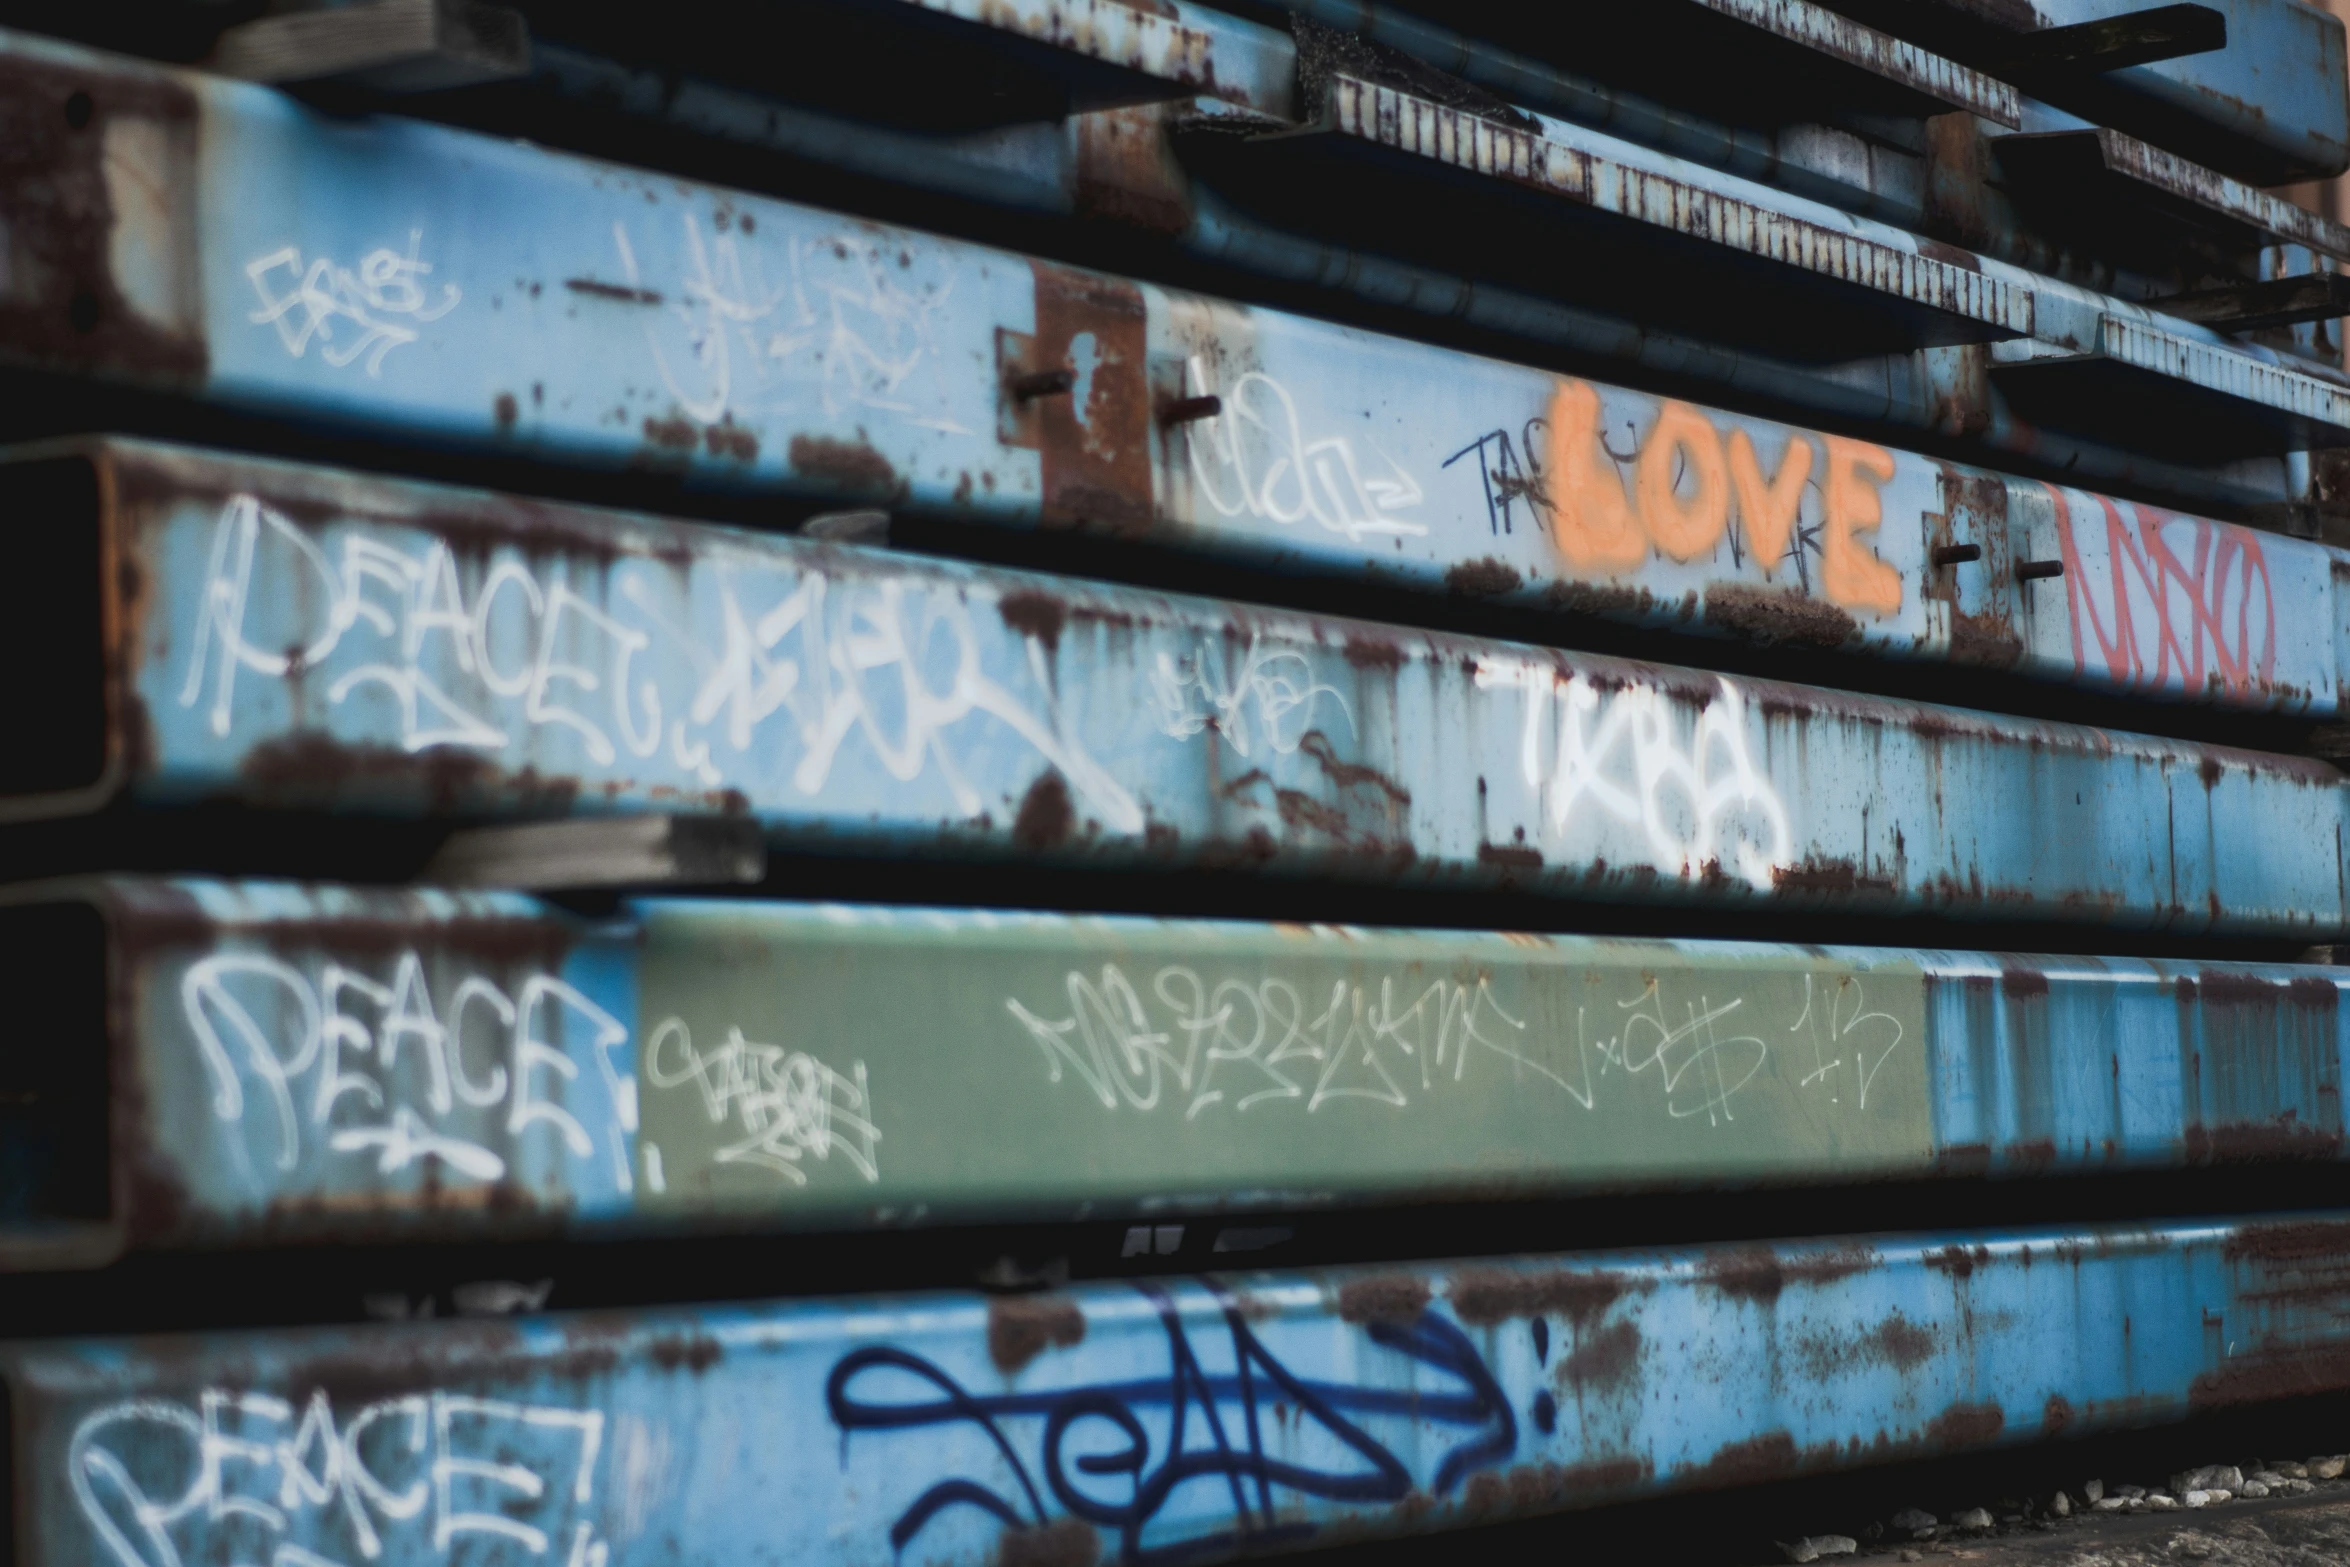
(857,1060)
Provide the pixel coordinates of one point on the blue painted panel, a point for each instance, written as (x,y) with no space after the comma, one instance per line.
(1142,1421)
(617,319)
(466,654)
(458,652)
(2273,102)
(368,1065)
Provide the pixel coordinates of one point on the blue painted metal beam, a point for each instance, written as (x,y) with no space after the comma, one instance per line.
(1175,47)
(1102,162)
(2268,108)
(1980,299)
(280,1064)
(1319,452)
(292,637)
(183,312)
(1192,49)
(1158,1420)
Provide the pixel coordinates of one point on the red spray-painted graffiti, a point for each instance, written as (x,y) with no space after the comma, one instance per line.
(2170,601)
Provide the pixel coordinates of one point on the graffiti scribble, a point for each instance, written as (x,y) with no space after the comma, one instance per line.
(1216,1426)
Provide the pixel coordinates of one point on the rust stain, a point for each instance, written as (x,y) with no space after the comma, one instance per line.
(62,305)
(310,768)
(1966,1425)
(2312,1240)
(1746,1273)
(1482,1297)
(158,1200)
(731,440)
(2280,1139)
(2220,988)
(1033,612)
(1770,1456)
(1606,1359)
(1126,172)
(1349,775)
(2265,1377)
(487,1348)
(1900,1343)
(1300,810)
(1385,1297)
(1984,641)
(1600,600)
(1020,1327)
(852,466)
(1543,1488)
(677,435)
(1958,1261)
(1562,1483)
(1046,816)
(1826,1266)
(1964,1159)
(1839,876)
(695,1352)
(2035,1153)
(1094,441)
(1482,577)
(1772,615)
(2021,982)
(1065,1542)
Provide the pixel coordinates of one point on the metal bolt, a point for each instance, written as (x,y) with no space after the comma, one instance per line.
(2033,570)
(1042,383)
(1188,409)
(1955,554)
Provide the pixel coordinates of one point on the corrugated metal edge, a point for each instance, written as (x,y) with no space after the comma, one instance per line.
(1418,127)
(2269,386)
(2207,188)
(1879,54)
(1161,44)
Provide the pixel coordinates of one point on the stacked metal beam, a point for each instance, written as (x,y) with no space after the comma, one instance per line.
(1519,602)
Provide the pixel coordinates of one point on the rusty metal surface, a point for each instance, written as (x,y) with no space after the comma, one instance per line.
(238,1064)
(2269,215)
(1985,299)
(684,339)
(2270,107)
(1225,56)
(1116,165)
(2225,398)
(301,638)
(1878,53)
(1187,46)
(533,336)
(1192,1418)
(1884,184)
(1592,169)
(293,1063)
